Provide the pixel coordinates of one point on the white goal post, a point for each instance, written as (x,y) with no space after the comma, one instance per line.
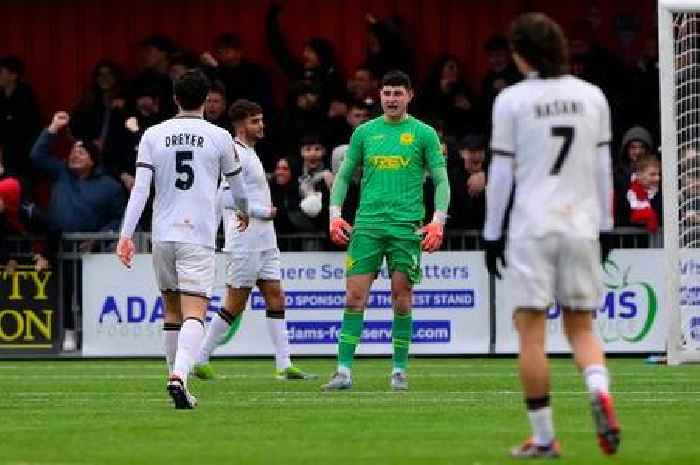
(679,61)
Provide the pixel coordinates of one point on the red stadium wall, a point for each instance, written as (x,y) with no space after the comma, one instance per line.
(61,40)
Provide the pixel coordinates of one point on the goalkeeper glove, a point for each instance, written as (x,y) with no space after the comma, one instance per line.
(340,231)
(494,252)
(433,236)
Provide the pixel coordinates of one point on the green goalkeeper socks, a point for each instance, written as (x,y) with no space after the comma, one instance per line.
(350,333)
(401,332)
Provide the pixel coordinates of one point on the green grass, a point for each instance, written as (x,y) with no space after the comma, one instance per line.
(457,412)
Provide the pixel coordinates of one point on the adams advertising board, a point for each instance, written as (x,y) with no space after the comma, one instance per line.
(123,311)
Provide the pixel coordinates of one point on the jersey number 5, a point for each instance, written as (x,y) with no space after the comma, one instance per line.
(181,166)
(566,132)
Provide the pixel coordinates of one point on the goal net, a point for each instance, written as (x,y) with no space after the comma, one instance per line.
(679,55)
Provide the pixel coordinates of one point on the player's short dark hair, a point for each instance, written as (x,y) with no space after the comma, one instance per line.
(397,78)
(540,41)
(13,64)
(227,40)
(242,109)
(191,89)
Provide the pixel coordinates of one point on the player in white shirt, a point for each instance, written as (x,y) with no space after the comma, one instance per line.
(184,156)
(551,134)
(253,256)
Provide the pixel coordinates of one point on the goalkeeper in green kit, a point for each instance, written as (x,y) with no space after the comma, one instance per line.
(394,151)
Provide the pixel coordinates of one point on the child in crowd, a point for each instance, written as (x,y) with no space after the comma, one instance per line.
(644,196)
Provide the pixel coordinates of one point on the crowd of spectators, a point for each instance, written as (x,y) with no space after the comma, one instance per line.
(76,174)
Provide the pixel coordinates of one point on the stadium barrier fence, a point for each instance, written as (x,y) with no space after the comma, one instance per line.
(74,246)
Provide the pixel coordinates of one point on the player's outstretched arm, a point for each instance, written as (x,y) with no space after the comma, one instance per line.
(134,208)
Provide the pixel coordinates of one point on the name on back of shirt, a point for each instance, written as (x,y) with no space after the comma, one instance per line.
(192,140)
(558,107)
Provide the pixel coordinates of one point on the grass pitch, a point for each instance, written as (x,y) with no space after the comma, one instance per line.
(458,411)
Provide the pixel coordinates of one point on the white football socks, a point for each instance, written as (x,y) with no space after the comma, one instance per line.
(217,330)
(542,425)
(171,333)
(277,327)
(597,379)
(188,344)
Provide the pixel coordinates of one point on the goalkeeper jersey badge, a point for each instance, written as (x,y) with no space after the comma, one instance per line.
(406,138)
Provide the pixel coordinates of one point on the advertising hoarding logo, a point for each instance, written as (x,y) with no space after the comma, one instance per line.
(28,317)
(626,304)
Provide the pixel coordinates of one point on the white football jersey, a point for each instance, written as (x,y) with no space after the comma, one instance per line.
(553,127)
(260,234)
(187,155)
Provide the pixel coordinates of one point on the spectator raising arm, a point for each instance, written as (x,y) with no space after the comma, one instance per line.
(41,154)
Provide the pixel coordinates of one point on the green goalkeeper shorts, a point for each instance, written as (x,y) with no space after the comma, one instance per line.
(399,243)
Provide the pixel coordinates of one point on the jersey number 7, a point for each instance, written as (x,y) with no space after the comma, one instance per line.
(181,166)
(567,132)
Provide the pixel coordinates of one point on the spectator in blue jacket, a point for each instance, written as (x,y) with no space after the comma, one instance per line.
(83,197)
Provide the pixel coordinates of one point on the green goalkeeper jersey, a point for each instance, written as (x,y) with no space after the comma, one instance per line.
(394,158)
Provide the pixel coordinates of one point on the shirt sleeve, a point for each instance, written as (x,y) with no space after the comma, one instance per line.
(230,161)
(498,191)
(433,150)
(605,131)
(503,134)
(144,157)
(437,166)
(604,181)
(604,187)
(141,189)
(342,180)
(137,200)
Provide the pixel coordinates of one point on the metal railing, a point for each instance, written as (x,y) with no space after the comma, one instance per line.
(74,245)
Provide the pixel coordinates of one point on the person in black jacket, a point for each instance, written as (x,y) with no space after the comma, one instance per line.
(386,48)
(445,96)
(242,79)
(501,70)
(100,116)
(317,64)
(19,118)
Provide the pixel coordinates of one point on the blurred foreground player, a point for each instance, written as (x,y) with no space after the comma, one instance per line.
(394,151)
(185,156)
(253,258)
(551,132)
